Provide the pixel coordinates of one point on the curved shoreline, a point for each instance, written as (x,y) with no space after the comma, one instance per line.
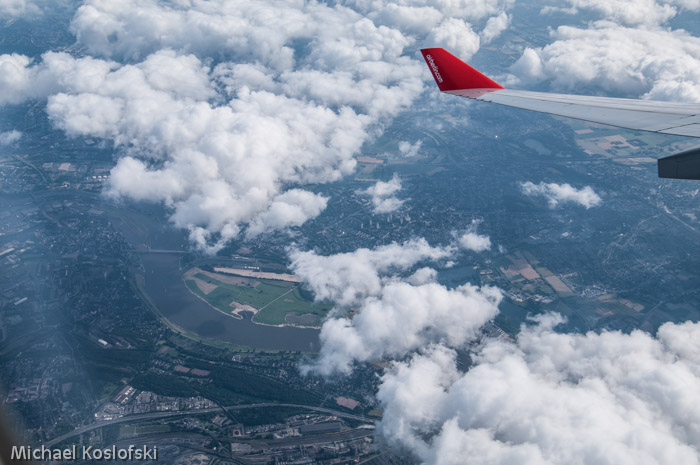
(252,318)
(236,316)
(166,288)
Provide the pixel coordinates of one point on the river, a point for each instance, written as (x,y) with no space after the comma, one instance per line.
(167,290)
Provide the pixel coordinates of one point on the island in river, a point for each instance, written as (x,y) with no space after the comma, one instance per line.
(274,299)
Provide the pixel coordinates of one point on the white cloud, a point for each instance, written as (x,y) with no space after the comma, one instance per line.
(9,137)
(455,35)
(393,313)
(384,189)
(652,63)
(413,19)
(410,150)
(692,5)
(382,194)
(551,398)
(218,108)
(30,9)
(22,78)
(471,10)
(402,318)
(494,27)
(216,166)
(471,240)
(441,23)
(348,278)
(562,193)
(631,13)
(17,8)
(221,167)
(647,13)
(133,29)
(16,80)
(291,208)
(386,205)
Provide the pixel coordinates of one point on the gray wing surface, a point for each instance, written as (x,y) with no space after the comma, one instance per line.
(453,76)
(681,119)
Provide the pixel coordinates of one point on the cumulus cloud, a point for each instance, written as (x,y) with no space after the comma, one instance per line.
(457,36)
(382,194)
(631,13)
(557,194)
(494,27)
(9,137)
(414,19)
(19,81)
(348,278)
(293,208)
(134,28)
(402,318)
(423,15)
(17,8)
(646,13)
(222,166)
(393,313)
(657,64)
(407,149)
(692,5)
(442,23)
(471,240)
(219,108)
(608,398)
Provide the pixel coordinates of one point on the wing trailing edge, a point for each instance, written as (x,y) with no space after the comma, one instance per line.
(455,77)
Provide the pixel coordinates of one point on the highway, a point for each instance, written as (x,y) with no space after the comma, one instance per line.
(183,413)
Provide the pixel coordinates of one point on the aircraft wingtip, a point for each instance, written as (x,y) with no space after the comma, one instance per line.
(452,74)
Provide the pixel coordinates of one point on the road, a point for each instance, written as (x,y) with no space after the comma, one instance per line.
(315,439)
(183,413)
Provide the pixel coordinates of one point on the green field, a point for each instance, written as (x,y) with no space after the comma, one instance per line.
(275,299)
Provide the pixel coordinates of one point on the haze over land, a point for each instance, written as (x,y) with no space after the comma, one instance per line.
(502,285)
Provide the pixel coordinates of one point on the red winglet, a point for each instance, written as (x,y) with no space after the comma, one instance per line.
(452,74)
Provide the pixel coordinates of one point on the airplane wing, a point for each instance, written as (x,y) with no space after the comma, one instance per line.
(453,76)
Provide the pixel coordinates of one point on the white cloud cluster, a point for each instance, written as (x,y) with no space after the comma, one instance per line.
(692,5)
(494,27)
(647,13)
(216,166)
(410,150)
(631,13)
(562,193)
(135,28)
(402,318)
(291,208)
(392,314)
(18,81)
(16,8)
(442,23)
(382,194)
(348,278)
(9,137)
(472,240)
(457,36)
(552,398)
(220,108)
(657,64)
(455,31)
